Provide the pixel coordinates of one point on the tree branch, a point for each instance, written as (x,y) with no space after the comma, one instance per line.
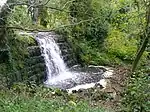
(36,5)
(24,29)
(46,30)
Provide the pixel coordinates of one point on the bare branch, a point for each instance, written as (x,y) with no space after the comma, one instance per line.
(45,3)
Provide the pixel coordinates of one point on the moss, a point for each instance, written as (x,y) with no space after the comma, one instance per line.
(18,49)
(17,54)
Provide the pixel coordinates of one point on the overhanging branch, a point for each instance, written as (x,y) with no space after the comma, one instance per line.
(47,30)
(36,5)
(24,29)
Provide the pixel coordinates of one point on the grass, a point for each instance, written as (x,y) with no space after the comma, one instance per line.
(12,101)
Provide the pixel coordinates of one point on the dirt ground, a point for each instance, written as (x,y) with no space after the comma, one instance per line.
(115,87)
(109,97)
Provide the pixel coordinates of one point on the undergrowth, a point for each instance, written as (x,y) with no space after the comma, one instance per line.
(27,99)
(137,94)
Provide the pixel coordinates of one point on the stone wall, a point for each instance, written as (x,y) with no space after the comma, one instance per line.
(26,63)
(66,49)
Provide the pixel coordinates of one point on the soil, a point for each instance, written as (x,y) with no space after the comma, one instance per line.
(115,87)
(109,97)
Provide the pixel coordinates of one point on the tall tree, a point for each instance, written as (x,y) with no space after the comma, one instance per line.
(146,36)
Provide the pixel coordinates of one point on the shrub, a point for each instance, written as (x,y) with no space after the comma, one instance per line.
(120,45)
(137,95)
(93,54)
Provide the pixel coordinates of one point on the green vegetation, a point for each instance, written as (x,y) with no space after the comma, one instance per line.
(20,53)
(25,99)
(101,32)
(17,53)
(137,95)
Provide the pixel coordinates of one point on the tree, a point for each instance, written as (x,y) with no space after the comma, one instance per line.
(146,36)
(3,22)
(34,10)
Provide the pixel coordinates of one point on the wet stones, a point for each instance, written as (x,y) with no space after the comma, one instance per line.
(94,94)
(66,50)
(33,60)
(4,55)
(98,85)
(34,51)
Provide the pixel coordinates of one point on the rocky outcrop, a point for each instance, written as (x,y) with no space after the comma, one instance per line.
(26,63)
(31,67)
(68,54)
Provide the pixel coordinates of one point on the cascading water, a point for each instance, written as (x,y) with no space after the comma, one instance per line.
(55,66)
(2,2)
(58,75)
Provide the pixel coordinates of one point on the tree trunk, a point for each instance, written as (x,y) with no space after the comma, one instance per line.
(34,10)
(145,41)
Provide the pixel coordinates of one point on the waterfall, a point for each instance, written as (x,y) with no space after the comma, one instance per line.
(58,75)
(55,66)
(2,2)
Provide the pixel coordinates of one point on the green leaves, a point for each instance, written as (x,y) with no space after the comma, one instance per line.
(121,46)
(137,94)
(11,101)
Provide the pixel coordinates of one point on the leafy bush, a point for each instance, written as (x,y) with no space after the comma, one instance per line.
(137,95)
(91,53)
(121,46)
(19,17)
(18,53)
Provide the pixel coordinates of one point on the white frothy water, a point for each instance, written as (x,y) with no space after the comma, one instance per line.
(2,2)
(58,75)
(56,68)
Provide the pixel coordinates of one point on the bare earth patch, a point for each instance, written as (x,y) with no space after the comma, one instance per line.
(110,96)
(115,87)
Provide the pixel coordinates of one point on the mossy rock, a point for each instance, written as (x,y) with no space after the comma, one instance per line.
(15,66)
